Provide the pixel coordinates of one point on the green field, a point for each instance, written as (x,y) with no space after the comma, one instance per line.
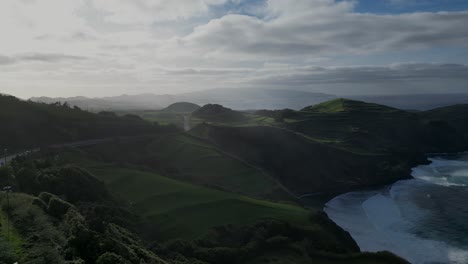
(182,210)
(185,158)
(15,242)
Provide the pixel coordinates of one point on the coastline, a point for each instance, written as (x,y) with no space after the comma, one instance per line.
(400,217)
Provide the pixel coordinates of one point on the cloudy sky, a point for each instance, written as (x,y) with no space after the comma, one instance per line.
(110,47)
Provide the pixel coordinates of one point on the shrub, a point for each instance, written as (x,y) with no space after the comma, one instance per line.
(7,253)
(111,258)
(58,207)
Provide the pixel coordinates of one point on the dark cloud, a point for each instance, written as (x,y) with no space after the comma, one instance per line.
(48,57)
(405,73)
(320,35)
(39,57)
(5,60)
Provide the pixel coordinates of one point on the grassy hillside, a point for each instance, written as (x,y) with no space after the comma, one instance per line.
(182,107)
(339,145)
(218,113)
(346,105)
(27,125)
(189,159)
(370,128)
(183,210)
(456,116)
(221,227)
(305,165)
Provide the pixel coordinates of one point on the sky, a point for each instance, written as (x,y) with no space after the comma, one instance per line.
(93,48)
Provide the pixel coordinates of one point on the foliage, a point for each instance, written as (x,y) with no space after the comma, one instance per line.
(181,107)
(71,182)
(243,244)
(111,258)
(7,252)
(218,113)
(6,176)
(27,125)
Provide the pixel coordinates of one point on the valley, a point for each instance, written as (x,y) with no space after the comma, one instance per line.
(231,171)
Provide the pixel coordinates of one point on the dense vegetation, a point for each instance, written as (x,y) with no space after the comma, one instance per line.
(63,214)
(218,113)
(322,148)
(227,192)
(27,125)
(52,222)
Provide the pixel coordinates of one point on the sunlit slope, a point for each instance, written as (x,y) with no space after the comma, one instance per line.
(346,105)
(188,159)
(183,210)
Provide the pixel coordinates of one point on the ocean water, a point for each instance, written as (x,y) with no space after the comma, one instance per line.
(424,220)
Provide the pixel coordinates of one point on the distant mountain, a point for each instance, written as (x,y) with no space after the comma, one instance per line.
(238,99)
(123,102)
(181,107)
(255,99)
(416,101)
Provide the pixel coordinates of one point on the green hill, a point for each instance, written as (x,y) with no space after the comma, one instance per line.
(307,166)
(218,113)
(26,125)
(323,148)
(455,115)
(346,105)
(150,211)
(181,107)
(189,159)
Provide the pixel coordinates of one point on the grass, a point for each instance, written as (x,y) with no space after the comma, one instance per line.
(183,210)
(15,239)
(183,157)
(202,163)
(344,105)
(164,118)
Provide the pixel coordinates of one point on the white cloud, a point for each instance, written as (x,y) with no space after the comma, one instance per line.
(148,11)
(76,46)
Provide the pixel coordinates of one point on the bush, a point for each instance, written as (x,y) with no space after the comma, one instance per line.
(58,207)
(6,176)
(40,203)
(7,253)
(111,258)
(45,196)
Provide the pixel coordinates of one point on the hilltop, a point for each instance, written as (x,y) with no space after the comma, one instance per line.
(218,113)
(239,99)
(322,148)
(346,105)
(181,107)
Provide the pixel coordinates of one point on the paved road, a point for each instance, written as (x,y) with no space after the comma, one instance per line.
(187,126)
(82,143)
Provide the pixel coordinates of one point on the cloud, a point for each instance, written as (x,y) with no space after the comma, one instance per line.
(149,11)
(39,57)
(329,30)
(367,74)
(75,47)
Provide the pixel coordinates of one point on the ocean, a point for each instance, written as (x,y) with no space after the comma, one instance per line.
(424,220)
